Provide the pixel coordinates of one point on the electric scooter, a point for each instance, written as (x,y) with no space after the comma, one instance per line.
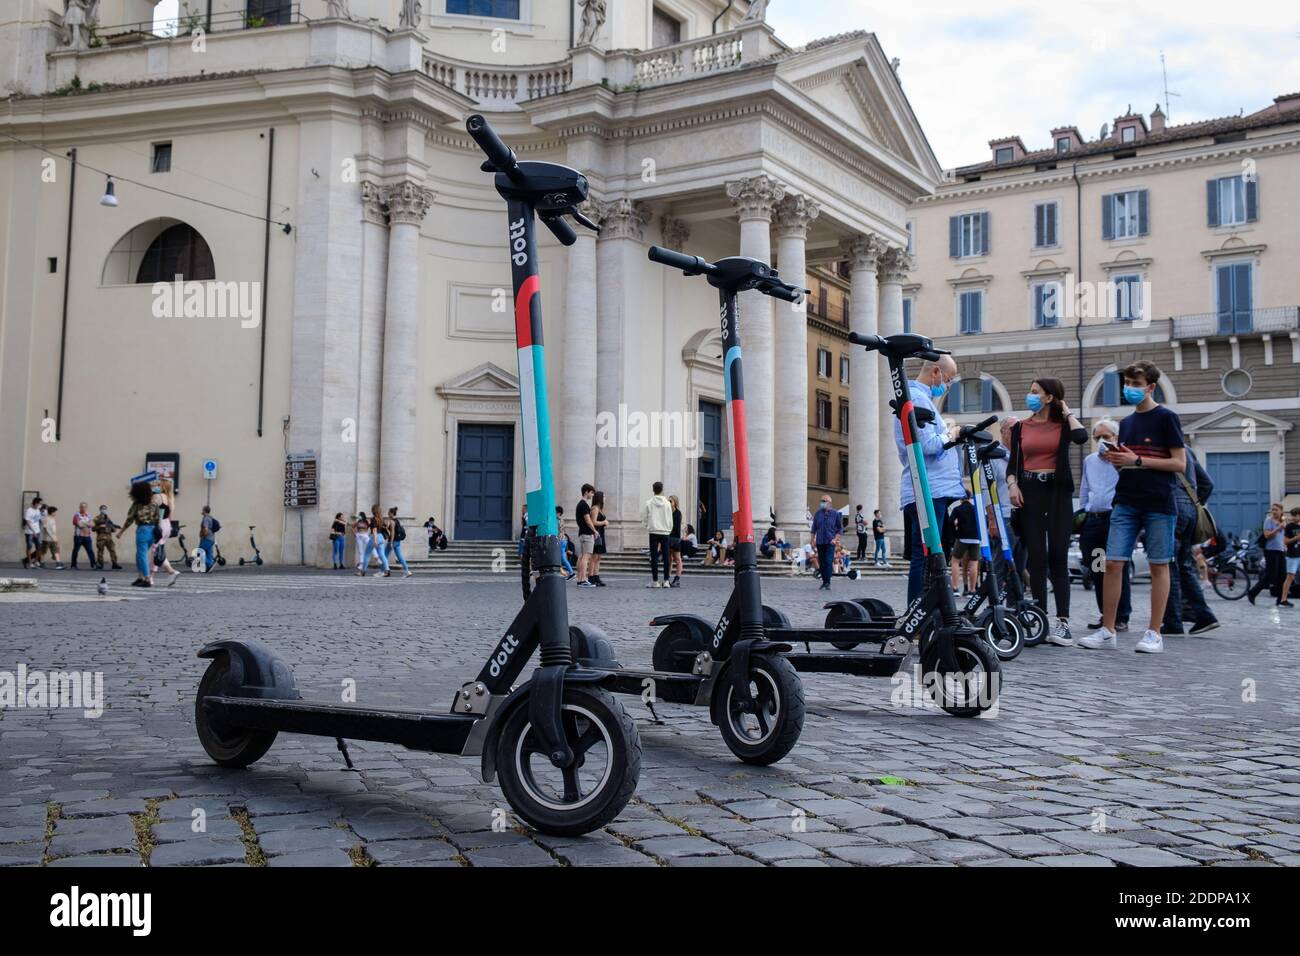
(965,667)
(568,755)
(252,543)
(999,624)
(753,694)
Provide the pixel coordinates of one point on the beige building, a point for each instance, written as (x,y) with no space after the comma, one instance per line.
(304,168)
(1177,244)
(829,361)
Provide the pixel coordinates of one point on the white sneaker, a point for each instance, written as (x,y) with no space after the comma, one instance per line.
(1060,635)
(1101,639)
(409,574)
(1151,643)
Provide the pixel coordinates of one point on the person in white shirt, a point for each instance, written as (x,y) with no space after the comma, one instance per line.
(32,534)
(657,519)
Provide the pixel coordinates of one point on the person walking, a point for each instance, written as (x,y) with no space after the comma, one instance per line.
(1291,538)
(879,557)
(209,526)
(1186,599)
(826,526)
(860,526)
(1096,493)
(83,533)
(1150,453)
(104,526)
(379,536)
(586,536)
(361,530)
(598,551)
(144,515)
(396,535)
(166,528)
(675,543)
(564,544)
(1274,555)
(338,540)
(942,465)
(32,534)
(1042,487)
(657,519)
(50,536)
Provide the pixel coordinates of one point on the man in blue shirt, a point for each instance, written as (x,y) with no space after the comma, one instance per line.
(826,531)
(942,467)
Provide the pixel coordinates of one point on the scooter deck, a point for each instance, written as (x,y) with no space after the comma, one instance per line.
(875,631)
(855,663)
(409,727)
(669,686)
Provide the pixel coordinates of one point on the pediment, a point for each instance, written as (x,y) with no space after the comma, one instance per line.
(1230,418)
(486,381)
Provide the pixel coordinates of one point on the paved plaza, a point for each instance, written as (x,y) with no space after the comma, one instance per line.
(1092,758)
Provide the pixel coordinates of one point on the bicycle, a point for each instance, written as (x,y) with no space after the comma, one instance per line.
(1228,571)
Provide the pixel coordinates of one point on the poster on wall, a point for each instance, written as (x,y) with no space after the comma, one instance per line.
(167,464)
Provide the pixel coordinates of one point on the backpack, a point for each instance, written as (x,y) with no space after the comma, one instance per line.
(399,533)
(216,525)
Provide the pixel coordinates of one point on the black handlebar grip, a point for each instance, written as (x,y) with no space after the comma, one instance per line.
(561,229)
(678,260)
(869,342)
(930,355)
(498,153)
(788,293)
(984,424)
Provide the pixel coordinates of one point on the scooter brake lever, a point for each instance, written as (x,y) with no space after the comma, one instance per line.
(573,210)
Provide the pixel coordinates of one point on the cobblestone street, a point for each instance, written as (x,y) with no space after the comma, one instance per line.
(1092,758)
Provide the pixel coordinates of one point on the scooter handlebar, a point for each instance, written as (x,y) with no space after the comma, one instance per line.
(871,343)
(691,265)
(968,430)
(501,156)
(561,230)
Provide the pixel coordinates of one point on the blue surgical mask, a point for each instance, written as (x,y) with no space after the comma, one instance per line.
(825,506)
(937,391)
(1134,396)
(1035,402)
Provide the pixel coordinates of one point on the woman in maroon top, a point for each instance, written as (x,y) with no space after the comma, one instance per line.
(1042,487)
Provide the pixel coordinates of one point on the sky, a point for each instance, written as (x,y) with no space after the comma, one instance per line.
(976,72)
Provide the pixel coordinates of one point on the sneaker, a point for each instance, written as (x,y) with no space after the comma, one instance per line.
(1285,604)
(676,583)
(409,574)
(175,575)
(1096,624)
(653,584)
(1121,626)
(1202,626)
(599,582)
(585,584)
(571,575)
(116,567)
(1060,635)
(1101,639)
(138,583)
(1151,643)
(377,574)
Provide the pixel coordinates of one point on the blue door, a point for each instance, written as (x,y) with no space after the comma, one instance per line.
(485,468)
(1241,496)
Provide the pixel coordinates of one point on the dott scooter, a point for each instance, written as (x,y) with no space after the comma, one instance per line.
(998,623)
(568,755)
(753,694)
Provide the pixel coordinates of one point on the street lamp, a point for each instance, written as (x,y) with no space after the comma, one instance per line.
(110,197)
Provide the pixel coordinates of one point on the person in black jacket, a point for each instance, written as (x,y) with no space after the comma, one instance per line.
(1042,487)
(1186,599)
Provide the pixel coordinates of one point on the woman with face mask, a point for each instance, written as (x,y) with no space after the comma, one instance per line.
(1042,487)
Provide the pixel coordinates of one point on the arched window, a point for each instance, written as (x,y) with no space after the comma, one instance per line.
(158,251)
(974,396)
(1108,392)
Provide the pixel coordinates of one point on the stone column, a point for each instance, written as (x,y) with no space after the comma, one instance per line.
(894,265)
(867,447)
(754,199)
(790,382)
(675,233)
(407,202)
(577,464)
(619,255)
(374,287)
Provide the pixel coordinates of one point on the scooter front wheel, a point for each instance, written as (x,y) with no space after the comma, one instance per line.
(969,691)
(1035,623)
(767,732)
(573,800)
(228,746)
(1008,640)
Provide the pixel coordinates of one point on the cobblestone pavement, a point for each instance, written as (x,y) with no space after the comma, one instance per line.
(1093,758)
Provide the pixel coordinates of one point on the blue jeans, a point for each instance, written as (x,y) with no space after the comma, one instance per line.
(376,547)
(880,551)
(916,567)
(143,548)
(826,562)
(1095,532)
(207,544)
(1125,524)
(396,548)
(1186,599)
(339,544)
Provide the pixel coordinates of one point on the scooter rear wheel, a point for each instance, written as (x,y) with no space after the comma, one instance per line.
(578,799)
(672,646)
(1035,623)
(228,746)
(768,734)
(970,691)
(1011,641)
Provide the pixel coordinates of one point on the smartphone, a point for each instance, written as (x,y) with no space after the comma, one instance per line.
(1104,446)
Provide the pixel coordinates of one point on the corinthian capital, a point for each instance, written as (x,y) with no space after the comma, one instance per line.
(622,219)
(895,264)
(794,214)
(675,232)
(407,201)
(755,197)
(863,251)
(373,208)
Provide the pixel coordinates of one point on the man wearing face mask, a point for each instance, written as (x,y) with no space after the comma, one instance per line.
(826,532)
(943,467)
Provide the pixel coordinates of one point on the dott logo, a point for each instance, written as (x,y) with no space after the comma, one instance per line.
(518,243)
(503,655)
(722,629)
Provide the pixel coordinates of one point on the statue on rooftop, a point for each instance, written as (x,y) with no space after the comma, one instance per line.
(75,25)
(593,18)
(410,15)
(757,12)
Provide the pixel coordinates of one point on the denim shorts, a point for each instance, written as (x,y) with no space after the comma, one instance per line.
(1293,565)
(1126,522)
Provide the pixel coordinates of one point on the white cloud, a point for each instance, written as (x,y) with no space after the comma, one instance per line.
(973,73)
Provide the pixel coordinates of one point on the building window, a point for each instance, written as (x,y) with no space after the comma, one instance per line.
(158,250)
(823,466)
(907,314)
(823,412)
(1128,134)
(1128,298)
(1047,220)
(665,30)
(844,472)
(970,308)
(1124,215)
(968,235)
(1231,201)
(972,396)
(1234,294)
(162,158)
(1112,390)
(844,418)
(823,363)
(1047,298)
(269,12)
(1004,154)
(501,9)
(1236,383)
(1063,144)
(822,303)
(844,370)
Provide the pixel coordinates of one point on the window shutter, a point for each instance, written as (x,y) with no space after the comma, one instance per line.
(1212,202)
(1110,389)
(1144,223)
(1108,217)
(984,234)
(1225,300)
(954,237)
(1039,226)
(977,309)
(1252,200)
(1052,211)
(986,395)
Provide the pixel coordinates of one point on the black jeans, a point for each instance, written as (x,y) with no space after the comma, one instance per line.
(1186,599)
(1046,521)
(862,546)
(1272,575)
(1092,538)
(826,561)
(658,551)
(912,527)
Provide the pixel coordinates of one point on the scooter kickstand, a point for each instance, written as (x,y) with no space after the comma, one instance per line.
(654,714)
(343,749)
